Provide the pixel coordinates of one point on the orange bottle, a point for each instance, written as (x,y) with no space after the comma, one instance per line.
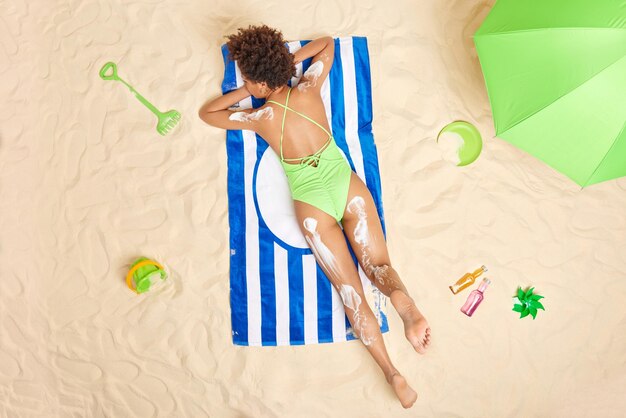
(467,280)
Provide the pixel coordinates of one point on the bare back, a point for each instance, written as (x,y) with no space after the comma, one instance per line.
(301,137)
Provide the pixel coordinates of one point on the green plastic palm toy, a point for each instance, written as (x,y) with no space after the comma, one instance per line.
(166,121)
(528,303)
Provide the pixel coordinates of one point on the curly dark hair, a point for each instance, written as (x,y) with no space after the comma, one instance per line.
(262,55)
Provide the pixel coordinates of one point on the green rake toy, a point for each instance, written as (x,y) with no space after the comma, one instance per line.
(167,121)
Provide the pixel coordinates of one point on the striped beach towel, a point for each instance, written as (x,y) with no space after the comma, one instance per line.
(278,293)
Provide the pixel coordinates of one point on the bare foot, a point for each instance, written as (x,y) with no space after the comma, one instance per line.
(416,327)
(405,394)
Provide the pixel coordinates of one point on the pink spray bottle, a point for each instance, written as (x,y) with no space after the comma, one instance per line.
(474,298)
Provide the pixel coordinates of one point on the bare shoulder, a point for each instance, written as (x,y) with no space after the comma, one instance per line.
(266,120)
(305,95)
(257,120)
(258,115)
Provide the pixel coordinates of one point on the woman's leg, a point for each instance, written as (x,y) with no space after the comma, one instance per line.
(328,244)
(365,233)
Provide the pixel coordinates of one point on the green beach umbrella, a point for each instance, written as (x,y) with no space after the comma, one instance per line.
(555,72)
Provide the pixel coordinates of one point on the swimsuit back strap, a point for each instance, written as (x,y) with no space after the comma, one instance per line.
(282,128)
(286,107)
(301,114)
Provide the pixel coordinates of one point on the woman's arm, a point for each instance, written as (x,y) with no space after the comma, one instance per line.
(216,112)
(323,52)
(313,48)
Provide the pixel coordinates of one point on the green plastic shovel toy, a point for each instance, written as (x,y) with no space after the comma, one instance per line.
(167,121)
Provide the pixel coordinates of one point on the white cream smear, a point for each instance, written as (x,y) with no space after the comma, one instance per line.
(265,113)
(352,300)
(311,75)
(350,297)
(361,236)
(361,233)
(320,250)
(380,273)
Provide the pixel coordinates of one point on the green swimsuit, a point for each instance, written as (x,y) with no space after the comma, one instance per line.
(321,179)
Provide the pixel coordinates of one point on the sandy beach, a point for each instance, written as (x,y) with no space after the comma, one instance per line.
(87,185)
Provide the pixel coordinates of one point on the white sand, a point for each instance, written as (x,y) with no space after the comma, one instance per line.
(86,185)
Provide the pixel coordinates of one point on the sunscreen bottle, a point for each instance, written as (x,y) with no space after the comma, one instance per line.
(467,280)
(474,298)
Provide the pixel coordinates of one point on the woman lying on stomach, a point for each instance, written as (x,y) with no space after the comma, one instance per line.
(324,188)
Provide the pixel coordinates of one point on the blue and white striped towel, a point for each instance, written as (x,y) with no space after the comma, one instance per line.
(278,293)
